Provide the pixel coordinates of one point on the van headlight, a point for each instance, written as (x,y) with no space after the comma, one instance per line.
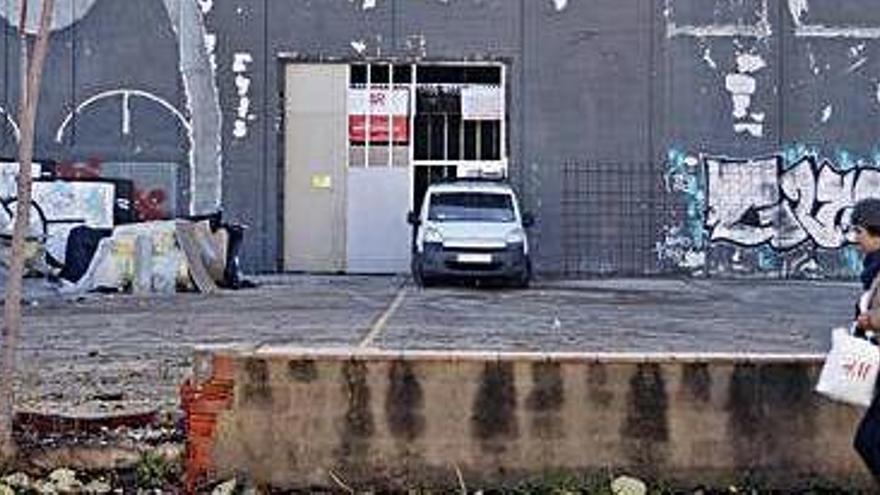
(516,236)
(432,235)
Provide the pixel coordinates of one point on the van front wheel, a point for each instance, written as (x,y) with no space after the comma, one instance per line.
(524,278)
(418,273)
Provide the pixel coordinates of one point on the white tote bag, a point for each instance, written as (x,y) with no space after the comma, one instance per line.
(850,369)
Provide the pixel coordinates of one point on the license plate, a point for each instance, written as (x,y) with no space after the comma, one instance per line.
(474,258)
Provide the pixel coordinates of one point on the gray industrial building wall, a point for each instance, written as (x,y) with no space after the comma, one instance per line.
(666,136)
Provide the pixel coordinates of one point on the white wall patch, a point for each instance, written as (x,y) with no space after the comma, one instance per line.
(742,85)
(359,46)
(741,103)
(366,4)
(756,130)
(560,4)
(826,113)
(760,29)
(205,5)
(748,63)
(798,8)
(707,57)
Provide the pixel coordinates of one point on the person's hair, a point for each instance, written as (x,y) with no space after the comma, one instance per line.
(866,214)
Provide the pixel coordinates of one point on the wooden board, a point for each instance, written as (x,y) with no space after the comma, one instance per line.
(186,238)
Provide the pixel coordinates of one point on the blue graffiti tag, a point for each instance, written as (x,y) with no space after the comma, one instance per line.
(689,183)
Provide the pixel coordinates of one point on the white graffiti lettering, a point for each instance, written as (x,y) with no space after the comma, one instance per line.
(753,202)
(242,83)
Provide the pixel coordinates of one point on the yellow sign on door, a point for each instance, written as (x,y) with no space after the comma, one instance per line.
(322,181)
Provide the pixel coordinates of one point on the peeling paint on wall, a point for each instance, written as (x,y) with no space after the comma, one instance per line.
(748,63)
(857,56)
(798,8)
(365,4)
(203,102)
(826,113)
(206,6)
(759,29)
(742,85)
(560,4)
(359,46)
(707,57)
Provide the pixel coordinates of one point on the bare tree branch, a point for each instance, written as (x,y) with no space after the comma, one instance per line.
(31,77)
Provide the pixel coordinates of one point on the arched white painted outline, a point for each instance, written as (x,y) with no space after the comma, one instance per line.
(126,95)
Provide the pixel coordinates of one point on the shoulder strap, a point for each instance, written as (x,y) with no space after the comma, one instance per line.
(875,286)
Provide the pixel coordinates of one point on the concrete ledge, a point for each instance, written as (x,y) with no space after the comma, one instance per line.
(288,417)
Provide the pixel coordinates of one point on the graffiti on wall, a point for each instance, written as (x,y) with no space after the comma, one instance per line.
(775,209)
(752,202)
(241,68)
(201,118)
(59,206)
(93,193)
(155,189)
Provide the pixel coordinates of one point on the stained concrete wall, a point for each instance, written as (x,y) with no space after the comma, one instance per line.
(393,419)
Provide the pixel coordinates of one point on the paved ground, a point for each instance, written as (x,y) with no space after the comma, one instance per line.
(106,352)
(626,316)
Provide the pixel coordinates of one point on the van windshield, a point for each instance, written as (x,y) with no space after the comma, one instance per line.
(471,207)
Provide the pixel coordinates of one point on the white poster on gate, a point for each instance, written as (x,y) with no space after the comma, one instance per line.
(378,101)
(482,103)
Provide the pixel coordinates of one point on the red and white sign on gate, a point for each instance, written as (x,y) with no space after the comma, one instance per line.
(381,105)
(357,129)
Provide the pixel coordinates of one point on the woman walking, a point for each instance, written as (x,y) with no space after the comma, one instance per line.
(866,230)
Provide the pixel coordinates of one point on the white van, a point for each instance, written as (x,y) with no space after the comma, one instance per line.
(471,229)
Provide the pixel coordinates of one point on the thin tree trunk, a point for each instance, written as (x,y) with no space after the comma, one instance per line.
(32,74)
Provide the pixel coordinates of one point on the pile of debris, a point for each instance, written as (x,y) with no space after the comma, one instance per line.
(61,480)
(120,454)
(163,256)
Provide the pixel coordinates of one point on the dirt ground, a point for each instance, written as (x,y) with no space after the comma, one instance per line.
(97,353)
